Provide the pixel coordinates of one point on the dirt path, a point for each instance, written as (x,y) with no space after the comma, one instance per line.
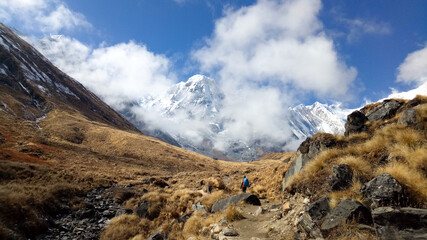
(255,225)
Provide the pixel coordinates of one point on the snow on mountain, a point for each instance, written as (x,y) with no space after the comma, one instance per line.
(200,101)
(308,120)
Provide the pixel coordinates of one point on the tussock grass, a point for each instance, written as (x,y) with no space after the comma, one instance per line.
(209,199)
(125,227)
(194,225)
(232,214)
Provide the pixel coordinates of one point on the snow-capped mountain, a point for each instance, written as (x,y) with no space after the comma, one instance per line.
(308,120)
(196,105)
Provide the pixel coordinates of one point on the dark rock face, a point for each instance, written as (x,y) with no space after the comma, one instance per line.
(306,152)
(403,223)
(386,110)
(314,212)
(384,190)
(355,123)
(341,178)
(345,211)
(224,203)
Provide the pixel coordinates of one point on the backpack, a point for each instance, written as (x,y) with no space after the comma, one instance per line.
(246,182)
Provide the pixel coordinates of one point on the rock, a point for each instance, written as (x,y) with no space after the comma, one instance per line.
(230,232)
(286,207)
(411,118)
(306,152)
(2,139)
(217,228)
(199,207)
(159,235)
(306,201)
(278,215)
(122,211)
(384,190)
(403,223)
(341,178)
(386,110)
(345,211)
(184,218)
(314,212)
(142,209)
(355,123)
(318,209)
(259,211)
(160,183)
(247,197)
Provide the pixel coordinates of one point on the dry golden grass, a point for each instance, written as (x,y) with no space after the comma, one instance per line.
(351,231)
(196,222)
(209,199)
(125,227)
(233,214)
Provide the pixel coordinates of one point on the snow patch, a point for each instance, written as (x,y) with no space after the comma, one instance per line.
(4,45)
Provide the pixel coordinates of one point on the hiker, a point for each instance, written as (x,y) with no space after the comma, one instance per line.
(245,184)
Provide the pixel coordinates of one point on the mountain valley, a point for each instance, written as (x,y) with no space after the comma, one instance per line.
(71,167)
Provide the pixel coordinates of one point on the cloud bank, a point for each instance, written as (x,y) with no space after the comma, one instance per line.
(118,74)
(47,16)
(264,57)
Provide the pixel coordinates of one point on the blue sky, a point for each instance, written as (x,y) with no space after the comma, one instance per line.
(366,42)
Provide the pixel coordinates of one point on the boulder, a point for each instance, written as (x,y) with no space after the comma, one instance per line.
(384,190)
(341,178)
(306,152)
(402,223)
(317,210)
(142,209)
(356,123)
(159,235)
(411,118)
(230,232)
(314,212)
(386,110)
(345,211)
(224,203)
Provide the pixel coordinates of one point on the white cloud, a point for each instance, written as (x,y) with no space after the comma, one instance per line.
(276,41)
(49,16)
(119,73)
(359,27)
(414,68)
(266,57)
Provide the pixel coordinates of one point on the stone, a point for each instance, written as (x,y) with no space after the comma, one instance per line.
(341,178)
(411,118)
(122,211)
(345,211)
(230,232)
(317,210)
(386,110)
(142,209)
(314,212)
(160,183)
(356,123)
(246,197)
(199,207)
(278,215)
(403,223)
(286,207)
(217,228)
(384,190)
(307,151)
(259,211)
(159,235)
